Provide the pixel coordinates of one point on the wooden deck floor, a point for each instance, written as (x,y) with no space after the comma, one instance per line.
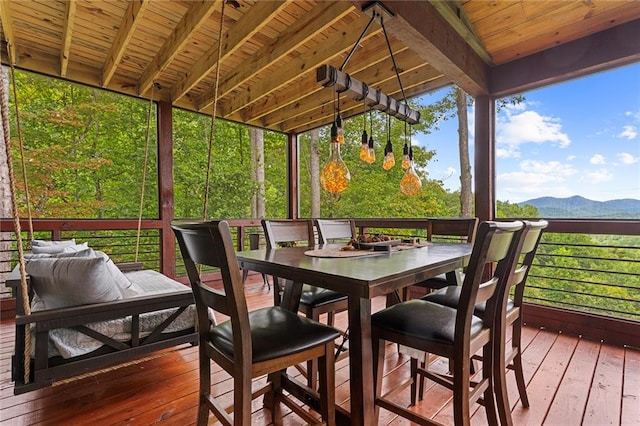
(571,381)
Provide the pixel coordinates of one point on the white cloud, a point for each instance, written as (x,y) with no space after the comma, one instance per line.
(597,176)
(626,158)
(629,132)
(536,179)
(530,127)
(553,169)
(597,159)
(508,151)
(571,157)
(521,186)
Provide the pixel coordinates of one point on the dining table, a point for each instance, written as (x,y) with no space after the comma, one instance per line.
(361,275)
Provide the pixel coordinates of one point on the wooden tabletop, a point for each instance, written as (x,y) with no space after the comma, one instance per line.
(365,276)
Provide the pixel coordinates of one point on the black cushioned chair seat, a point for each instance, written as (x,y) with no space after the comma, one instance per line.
(275,332)
(316,296)
(423,320)
(450,295)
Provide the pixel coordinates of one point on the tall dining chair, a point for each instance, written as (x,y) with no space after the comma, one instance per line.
(459,230)
(335,230)
(509,314)
(249,344)
(314,301)
(452,333)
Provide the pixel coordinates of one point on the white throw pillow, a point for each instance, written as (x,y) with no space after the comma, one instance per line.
(59,248)
(88,252)
(116,274)
(72,281)
(45,243)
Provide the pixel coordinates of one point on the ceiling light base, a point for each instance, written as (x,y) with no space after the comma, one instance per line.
(377,8)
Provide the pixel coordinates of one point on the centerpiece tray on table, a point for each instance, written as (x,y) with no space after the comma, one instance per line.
(366,245)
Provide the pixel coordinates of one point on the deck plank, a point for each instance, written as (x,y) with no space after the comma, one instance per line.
(544,383)
(164,389)
(571,398)
(603,406)
(631,390)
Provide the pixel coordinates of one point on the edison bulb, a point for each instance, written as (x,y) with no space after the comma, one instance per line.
(364,147)
(410,183)
(372,152)
(406,161)
(389,160)
(335,175)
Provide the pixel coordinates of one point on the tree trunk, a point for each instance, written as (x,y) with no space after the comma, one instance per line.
(463,144)
(256,139)
(315,173)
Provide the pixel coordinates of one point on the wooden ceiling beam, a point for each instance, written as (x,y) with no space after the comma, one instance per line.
(191,22)
(453,13)
(130,21)
(331,49)
(317,20)
(67,33)
(290,120)
(7,29)
(419,25)
(368,58)
(604,50)
(371,74)
(236,35)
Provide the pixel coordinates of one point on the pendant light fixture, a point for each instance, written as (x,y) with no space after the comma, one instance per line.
(389,160)
(335,175)
(411,184)
(364,145)
(372,151)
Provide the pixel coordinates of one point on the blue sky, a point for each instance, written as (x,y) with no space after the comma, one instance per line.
(580,137)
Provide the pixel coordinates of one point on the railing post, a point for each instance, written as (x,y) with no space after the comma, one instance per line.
(165,188)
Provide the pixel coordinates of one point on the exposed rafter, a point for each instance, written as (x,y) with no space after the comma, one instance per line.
(366,65)
(192,21)
(317,20)
(7,29)
(67,33)
(333,48)
(131,19)
(250,23)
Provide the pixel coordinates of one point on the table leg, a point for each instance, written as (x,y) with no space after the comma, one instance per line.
(361,362)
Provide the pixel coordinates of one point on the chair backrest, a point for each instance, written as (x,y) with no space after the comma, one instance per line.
(335,229)
(492,247)
(460,229)
(533,233)
(210,244)
(288,231)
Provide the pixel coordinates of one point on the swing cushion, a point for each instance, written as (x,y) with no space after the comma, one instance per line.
(70,281)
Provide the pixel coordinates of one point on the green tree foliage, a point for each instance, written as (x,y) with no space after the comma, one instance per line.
(505,209)
(84,150)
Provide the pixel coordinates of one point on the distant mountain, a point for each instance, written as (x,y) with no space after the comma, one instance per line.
(580,207)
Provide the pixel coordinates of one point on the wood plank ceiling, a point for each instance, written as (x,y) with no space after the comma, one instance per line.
(270,50)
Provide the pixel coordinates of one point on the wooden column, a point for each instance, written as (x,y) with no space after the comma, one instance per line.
(485,156)
(165,188)
(293,204)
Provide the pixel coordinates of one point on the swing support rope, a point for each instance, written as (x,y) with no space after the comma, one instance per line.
(21,146)
(4,109)
(213,116)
